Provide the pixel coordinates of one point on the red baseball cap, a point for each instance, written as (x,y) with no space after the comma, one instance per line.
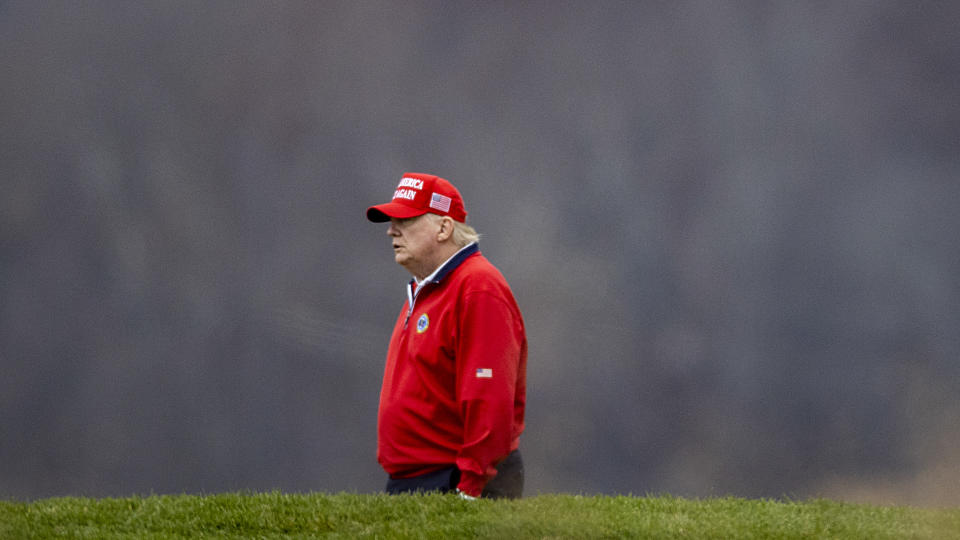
(417,194)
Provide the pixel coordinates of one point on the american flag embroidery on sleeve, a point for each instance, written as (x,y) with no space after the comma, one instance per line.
(484,373)
(440,202)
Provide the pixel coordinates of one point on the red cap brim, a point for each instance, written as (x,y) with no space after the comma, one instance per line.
(382,213)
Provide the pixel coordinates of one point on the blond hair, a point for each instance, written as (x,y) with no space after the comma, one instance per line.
(463,234)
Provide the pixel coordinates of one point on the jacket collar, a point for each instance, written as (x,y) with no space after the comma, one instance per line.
(452,263)
(413,288)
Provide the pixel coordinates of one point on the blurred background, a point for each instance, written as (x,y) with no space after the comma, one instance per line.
(731,227)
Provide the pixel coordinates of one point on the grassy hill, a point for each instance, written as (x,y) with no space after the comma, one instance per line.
(279,515)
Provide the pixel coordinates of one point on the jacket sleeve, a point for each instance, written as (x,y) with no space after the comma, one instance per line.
(488,352)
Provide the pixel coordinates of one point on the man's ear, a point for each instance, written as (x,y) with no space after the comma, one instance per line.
(446,229)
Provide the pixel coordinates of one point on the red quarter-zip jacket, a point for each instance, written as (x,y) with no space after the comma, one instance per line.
(454,386)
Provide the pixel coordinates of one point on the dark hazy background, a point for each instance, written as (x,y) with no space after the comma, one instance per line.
(732,229)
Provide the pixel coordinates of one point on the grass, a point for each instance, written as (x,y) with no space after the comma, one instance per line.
(279,515)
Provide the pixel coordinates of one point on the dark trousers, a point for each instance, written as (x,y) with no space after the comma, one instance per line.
(507,484)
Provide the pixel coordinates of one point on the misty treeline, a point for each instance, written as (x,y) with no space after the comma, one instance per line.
(732,230)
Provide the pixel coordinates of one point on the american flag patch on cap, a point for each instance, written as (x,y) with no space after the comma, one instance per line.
(484,373)
(440,202)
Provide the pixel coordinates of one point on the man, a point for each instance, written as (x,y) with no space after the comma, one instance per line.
(454,385)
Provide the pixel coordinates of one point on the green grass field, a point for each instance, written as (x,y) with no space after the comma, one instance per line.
(279,515)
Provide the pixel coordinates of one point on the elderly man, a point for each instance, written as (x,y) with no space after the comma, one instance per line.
(454,385)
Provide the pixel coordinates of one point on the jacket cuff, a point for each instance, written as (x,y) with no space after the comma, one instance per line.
(471,484)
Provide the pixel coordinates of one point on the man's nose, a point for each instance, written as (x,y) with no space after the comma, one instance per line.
(392,230)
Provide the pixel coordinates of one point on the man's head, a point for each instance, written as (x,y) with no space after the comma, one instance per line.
(426,219)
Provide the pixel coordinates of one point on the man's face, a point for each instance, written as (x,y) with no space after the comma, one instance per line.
(414,243)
